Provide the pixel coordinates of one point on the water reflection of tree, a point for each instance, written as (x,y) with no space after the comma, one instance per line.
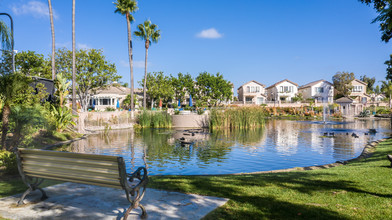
(247,137)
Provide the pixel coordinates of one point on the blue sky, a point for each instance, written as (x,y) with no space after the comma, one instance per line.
(266,41)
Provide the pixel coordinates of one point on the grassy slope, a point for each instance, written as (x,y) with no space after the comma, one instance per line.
(359,190)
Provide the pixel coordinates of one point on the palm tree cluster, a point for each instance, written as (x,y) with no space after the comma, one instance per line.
(147,31)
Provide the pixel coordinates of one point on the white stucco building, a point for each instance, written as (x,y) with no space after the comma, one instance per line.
(282,91)
(320,90)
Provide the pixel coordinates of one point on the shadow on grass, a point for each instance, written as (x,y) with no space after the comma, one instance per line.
(266,195)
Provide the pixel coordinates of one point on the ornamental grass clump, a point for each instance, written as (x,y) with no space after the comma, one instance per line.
(237,118)
(147,119)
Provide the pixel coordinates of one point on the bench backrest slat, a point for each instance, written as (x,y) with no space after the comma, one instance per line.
(91,169)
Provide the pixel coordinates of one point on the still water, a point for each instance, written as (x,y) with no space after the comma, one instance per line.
(280,144)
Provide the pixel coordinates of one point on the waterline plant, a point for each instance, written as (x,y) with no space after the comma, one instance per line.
(237,118)
(149,119)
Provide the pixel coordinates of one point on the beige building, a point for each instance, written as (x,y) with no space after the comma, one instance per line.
(282,91)
(320,90)
(252,92)
(358,92)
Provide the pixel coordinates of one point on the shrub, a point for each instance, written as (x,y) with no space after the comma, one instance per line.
(148,119)
(110,109)
(8,160)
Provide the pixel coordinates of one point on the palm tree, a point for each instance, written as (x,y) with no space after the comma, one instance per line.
(147,32)
(127,7)
(74,107)
(386,88)
(5,37)
(53,40)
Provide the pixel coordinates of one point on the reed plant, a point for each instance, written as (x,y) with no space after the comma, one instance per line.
(148,119)
(237,118)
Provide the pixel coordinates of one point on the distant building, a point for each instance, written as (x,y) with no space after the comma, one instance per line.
(358,91)
(252,92)
(282,91)
(349,106)
(110,95)
(320,90)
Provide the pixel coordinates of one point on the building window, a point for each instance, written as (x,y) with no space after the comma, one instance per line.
(260,100)
(248,89)
(319,89)
(357,88)
(286,89)
(104,101)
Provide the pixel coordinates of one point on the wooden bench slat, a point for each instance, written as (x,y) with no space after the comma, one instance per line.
(72,166)
(65,171)
(70,176)
(69,154)
(65,179)
(86,162)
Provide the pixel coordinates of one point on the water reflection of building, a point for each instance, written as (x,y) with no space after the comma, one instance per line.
(284,134)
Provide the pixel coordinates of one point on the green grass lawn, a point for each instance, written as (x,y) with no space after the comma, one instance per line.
(359,190)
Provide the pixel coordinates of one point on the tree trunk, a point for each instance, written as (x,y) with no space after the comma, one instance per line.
(145,76)
(5,128)
(130,60)
(53,40)
(74,107)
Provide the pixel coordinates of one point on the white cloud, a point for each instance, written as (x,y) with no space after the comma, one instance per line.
(83,46)
(211,33)
(136,64)
(61,45)
(35,8)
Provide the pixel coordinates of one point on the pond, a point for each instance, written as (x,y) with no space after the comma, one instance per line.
(280,144)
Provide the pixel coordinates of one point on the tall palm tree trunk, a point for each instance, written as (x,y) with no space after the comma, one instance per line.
(145,78)
(74,107)
(5,127)
(53,40)
(130,59)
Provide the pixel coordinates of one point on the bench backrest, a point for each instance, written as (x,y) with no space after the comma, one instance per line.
(101,170)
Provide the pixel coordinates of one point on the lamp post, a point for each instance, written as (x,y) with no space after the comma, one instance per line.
(12,41)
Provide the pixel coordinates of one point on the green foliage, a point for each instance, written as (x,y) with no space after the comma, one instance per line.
(383,8)
(148,119)
(62,87)
(213,89)
(298,97)
(364,113)
(237,118)
(182,85)
(126,7)
(5,36)
(342,83)
(370,83)
(28,63)
(8,161)
(386,88)
(158,86)
(110,109)
(148,32)
(62,117)
(93,71)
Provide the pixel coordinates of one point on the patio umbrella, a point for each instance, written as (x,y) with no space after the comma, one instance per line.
(190,101)
(179,103)
(94,103)
(118,104)
(160,102)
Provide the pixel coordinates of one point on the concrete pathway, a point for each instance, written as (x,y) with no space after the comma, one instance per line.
(78,201)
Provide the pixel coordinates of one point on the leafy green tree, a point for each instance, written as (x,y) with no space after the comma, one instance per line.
(53,40)
(14,90)
(377,90)
(127,7)
(5,36)
(158,87)
(342,83)
(370,83)
(182,85)
(384,10)
(386,88)
(28,63)
(93,71)
(62,87)
(149,33)
(213,89)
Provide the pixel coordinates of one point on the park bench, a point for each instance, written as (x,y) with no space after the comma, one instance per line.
(101,170)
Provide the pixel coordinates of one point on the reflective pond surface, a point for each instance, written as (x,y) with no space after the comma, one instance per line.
(281,144)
